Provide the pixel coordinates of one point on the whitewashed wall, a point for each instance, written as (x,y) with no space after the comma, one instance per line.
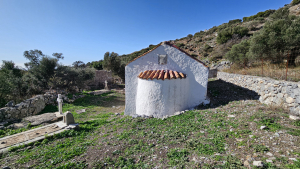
(161,97)
(196,81)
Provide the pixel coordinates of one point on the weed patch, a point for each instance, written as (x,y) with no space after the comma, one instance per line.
(177,157)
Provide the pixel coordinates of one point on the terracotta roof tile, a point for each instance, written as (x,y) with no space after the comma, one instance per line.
(156,74)
(144,74)
(167,75)
(168,43)
(151,75)
(176,74)
(171,74)
(161,74)
(148,74)
(182,75)
(140,75)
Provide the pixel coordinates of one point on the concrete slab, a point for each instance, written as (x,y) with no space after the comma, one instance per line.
(32,135)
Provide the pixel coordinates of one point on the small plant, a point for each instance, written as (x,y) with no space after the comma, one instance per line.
(297,123)
(233,162)
(270,123)
(28,126)
(177,156)
(260,148)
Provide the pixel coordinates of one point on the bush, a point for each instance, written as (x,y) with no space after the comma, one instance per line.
(199,34)
(212,30)
(224,36)
(208,48)
(238,53)
(281,13)
(259,14)
(180,45)
(231,22)
(295,2)
(241,31)
(190,36)
(227,33)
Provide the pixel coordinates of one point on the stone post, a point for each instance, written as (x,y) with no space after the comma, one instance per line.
(68,118)
(106,85)
(59,101)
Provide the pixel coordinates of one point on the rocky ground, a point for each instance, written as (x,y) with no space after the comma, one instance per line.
(234,131)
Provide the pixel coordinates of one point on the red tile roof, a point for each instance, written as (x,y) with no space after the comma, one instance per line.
(168,43)
(161,74)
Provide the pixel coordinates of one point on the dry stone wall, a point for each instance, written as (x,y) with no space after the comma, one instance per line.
(26,108)
(99,80)
(280,93)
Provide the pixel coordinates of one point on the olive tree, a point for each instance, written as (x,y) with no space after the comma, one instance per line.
(239,53)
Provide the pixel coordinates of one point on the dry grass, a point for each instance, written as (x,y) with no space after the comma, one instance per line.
(275,71)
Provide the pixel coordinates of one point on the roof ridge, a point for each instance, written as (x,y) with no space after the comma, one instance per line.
(183,51)
(168,43)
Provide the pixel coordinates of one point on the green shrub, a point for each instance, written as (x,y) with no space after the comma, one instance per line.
(190,36)
(194,55)
(231,22)
(212,30)
(208,48)
(295,2)
(242,31)
(224,36)
(260,19)
(180,45)
(199,34)
(239,53)
(259,14)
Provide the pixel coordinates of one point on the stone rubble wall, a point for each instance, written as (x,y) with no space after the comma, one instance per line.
(99,79)
(28,107)
(272,92)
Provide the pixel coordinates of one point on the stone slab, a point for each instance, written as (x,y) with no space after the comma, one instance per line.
(33,135)
(43,118)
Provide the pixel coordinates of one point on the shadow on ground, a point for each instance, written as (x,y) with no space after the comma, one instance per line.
(221,93)
(103,100)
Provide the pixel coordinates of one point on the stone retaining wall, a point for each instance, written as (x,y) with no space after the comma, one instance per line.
(280,93)
(28,107)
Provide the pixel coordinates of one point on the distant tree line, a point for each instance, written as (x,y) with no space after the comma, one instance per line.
(42,73)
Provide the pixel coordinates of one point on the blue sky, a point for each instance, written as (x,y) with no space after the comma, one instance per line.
(85,29)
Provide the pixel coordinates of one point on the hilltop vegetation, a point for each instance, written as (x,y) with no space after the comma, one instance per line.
(277,28)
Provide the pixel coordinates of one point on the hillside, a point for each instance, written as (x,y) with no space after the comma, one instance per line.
(211,45)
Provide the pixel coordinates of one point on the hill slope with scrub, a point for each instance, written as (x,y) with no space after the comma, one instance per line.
(213,44)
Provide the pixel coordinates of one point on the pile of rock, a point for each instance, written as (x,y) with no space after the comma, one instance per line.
(221,65)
